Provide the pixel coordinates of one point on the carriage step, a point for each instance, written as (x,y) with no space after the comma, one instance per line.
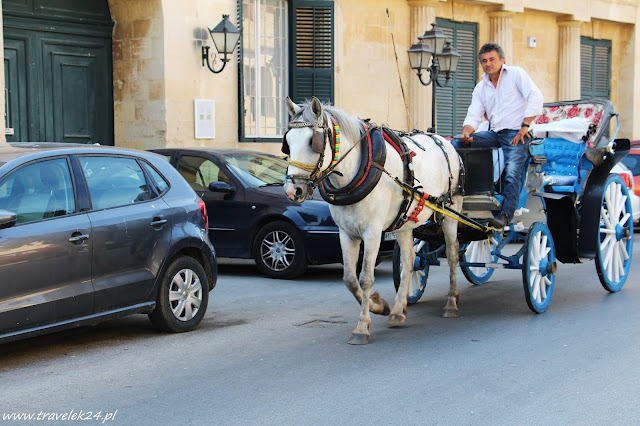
(480,202)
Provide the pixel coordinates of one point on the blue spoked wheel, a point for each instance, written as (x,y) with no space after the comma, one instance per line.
(613,257)
(480,252)
(418,281)
(539,267)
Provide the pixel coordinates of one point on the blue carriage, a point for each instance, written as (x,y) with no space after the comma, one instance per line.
(586,210)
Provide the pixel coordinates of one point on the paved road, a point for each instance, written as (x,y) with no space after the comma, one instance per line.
(275,352)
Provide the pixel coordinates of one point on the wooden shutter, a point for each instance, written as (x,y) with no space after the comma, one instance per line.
(312,50)
(453,101)
(595,68)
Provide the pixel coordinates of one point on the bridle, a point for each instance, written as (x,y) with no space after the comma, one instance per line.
(321,134)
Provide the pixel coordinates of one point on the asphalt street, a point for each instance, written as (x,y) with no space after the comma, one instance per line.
(274,352)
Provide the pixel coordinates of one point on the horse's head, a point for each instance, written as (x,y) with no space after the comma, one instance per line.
(306,145)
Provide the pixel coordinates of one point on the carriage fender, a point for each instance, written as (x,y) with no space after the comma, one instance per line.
(591,201)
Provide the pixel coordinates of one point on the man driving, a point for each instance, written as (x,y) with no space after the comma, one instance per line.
(509,100)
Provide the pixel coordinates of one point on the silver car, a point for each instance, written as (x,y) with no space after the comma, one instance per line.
(89,233)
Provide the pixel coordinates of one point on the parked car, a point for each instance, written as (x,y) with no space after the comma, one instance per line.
(251,217)
(89,233)
(627,177)
(632,161)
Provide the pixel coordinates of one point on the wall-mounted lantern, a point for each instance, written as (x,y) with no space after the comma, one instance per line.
(225,36)
(435,54)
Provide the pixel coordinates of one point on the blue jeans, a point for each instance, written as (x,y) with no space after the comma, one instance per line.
(515,158)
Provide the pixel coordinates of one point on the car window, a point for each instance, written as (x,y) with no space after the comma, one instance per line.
(257,169)
(38,191)
(114,181)
(632,161)
(199,172)
(159,181)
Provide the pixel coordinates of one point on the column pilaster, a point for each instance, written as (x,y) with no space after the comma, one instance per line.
(501,31)
(422,15)
(569,60)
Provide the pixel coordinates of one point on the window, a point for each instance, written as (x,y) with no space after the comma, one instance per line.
(160,183)
(38,191)
(114,181)
(199,172)
(287,50)
(595,68)
(452,101)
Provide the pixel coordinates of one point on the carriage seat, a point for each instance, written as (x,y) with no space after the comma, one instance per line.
(558,161)
(563,132)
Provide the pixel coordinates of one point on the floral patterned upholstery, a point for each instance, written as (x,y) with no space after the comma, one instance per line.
(594,110)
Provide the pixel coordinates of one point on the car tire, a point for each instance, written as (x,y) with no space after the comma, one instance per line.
(279,252)
(183,296)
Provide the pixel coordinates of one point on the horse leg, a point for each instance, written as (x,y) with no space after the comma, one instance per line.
(407,258)
(361,289)
(450,228)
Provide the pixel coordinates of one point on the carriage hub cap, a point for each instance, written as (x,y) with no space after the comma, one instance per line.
(619,232)
(543,267)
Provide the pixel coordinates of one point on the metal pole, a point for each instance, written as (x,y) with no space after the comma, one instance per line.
(433,108)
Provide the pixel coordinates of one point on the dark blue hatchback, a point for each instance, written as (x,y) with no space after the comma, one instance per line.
(251,217)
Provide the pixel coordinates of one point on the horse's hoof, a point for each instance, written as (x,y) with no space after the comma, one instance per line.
(359,339)
(450,313)
(396,320)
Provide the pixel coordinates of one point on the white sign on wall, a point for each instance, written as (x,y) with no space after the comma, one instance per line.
(205,118)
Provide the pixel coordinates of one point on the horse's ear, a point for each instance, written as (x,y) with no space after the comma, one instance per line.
(292,107)
(316,106)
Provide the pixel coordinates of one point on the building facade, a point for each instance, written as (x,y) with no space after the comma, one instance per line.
(130,72)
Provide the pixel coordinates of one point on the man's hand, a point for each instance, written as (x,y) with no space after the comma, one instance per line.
(465,136)
(519,137)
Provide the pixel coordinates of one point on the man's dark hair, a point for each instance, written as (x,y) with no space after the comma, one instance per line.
(488,47)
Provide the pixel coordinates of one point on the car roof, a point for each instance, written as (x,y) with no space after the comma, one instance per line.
(213,150)
(10,151)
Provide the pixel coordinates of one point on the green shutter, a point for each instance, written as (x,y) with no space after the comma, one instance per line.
(311,48)
(453,100)
(595,68)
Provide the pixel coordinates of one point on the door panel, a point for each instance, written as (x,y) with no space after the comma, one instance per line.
(45,259)
(128,228)
(61,85)
(15,87)
(75,102)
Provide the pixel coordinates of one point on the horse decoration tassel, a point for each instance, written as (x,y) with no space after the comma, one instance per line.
(363,219)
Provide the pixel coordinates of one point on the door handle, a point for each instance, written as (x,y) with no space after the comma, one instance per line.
(158,222)
(78,238)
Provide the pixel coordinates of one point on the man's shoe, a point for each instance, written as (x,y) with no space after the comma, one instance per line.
(500,221)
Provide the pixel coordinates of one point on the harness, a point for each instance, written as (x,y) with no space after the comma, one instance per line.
(373,157)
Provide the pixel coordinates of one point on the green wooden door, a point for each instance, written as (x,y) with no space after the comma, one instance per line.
(58,71)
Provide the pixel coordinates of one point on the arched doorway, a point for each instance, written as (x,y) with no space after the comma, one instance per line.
(58,71)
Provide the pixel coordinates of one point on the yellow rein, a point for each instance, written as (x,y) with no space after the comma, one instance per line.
(434,207)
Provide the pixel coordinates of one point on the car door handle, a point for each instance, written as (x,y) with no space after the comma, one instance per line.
(158,222)
(78,238)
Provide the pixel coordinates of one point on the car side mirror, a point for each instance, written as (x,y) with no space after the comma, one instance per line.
(222,187)
(7,219)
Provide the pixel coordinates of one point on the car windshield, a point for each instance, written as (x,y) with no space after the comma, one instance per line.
(258,169)
(632,161)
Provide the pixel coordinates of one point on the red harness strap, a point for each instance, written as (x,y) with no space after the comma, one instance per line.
(394,145)
(368,167)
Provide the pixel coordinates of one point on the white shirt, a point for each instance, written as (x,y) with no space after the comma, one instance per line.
(515,97)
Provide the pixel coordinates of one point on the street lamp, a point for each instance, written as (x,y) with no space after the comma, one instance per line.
(225,36)
(432,53)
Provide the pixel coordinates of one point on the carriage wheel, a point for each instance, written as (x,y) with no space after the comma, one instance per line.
(418,281)
(480,252)
(539,267)
(613,257)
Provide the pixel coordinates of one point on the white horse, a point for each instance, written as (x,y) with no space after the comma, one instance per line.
(309,143)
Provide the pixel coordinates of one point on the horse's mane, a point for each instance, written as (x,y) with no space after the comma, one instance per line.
(349,126)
